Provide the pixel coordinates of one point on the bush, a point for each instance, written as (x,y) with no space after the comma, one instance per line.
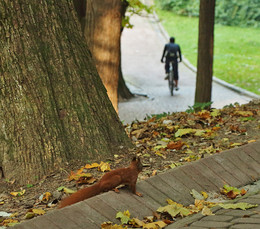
(233,12)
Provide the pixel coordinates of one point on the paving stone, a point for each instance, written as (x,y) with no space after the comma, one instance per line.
(232,169)
(233,156)
(210,174)
(177,185)
(245,226)
(103,209)
(186,221)
(238,213)
(186,180)
(247,220)
(211,224)
(251,163)
(76,214)
(90,213)
(196,175)
(220,170)
(62,221)
(252,153)
(165,188)
(152,193)
(220,218)
(37,223)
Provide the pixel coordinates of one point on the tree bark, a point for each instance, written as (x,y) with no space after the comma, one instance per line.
(103,34)
(53,106)
(205,52)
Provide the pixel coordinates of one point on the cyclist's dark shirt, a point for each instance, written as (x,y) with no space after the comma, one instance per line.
(172,51)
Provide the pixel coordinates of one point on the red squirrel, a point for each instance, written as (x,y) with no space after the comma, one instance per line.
(109,181)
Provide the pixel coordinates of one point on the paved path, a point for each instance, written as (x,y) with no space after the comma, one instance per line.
(236,167)
(141,53)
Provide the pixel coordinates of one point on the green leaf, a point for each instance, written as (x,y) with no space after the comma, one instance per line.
(181,132)
(196,195)
(123,216)
(242,206)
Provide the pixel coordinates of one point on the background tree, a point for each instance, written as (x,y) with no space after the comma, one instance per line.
(205,52)
(103,23)
(53,106)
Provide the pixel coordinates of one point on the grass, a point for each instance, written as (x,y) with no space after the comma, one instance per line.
(236,50)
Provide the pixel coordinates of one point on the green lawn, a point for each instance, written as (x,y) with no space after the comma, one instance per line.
(236,50)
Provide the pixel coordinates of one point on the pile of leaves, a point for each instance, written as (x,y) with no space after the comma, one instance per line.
(162,141)
(183,137)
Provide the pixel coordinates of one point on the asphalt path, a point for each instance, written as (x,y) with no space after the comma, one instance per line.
(144,74)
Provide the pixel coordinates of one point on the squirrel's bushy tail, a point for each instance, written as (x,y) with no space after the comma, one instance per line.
(80,195)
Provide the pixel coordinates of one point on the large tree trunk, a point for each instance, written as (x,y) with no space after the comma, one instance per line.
(105,33)
(53,106)
(205,51)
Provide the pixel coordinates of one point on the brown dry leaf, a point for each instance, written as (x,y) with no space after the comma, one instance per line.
(175,145)
(232,195)
(243,192)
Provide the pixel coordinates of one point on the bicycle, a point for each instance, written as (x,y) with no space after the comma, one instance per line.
(171,78)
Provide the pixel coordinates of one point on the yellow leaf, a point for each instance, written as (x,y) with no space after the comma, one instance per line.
(181,132)
(29,215)
(244,113)
(250,141)
(104,166)
(18,193)
(236,144)
(2,202)
(206,211)
(137,222)
(155,225)
(215,112)
(204,194)
(93,165)
(38,211)
(46,196)
(68,191)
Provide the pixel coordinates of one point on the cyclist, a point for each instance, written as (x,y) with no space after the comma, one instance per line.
(172,52)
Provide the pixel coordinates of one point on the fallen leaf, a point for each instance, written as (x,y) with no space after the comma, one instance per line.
(181,132)
(196,195)
(109,225)
(68,191)
(242,206)
(46,196)
(155,225)
(206,211)
(91,166)
(104,167)
(38,211)
(123,216)
(244,113)
(175,145)
(18,193)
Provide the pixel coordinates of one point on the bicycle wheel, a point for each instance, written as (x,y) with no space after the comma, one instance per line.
(171,83)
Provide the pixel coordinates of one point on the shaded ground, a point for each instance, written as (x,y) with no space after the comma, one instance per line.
(162,143)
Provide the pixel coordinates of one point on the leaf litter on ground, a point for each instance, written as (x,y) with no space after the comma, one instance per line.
(162,143)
